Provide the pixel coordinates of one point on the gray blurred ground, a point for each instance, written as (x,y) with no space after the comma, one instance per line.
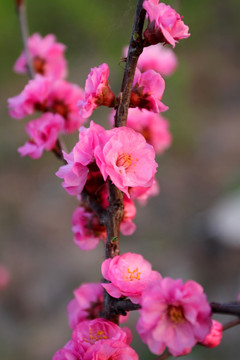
(202,167)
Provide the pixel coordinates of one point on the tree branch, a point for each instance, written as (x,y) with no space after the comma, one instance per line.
(21,11)
(227,309)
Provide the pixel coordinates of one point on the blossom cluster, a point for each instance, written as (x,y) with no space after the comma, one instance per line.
(173,314)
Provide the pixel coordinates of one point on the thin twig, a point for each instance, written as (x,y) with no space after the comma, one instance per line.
(21,11)
(164,356)
(231,324)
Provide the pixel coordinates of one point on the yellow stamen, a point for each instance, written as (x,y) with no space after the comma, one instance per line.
(124,160)
(133,275)
(175,313)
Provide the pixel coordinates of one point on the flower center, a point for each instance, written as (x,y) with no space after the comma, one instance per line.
(60,108)
(133,275)
(97,335)
(39,65)
(175,313)
(124,160)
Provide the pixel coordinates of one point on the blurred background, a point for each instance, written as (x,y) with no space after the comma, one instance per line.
(192,230)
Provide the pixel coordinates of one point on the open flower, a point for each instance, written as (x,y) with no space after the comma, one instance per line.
(41,94)
(110,350)
(165,24)
(125,156)
(175,315)
(147,91)
(97,91)
(47,57)
(43,134)
(129,275)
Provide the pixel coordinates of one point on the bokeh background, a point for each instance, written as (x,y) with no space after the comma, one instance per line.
(192,230)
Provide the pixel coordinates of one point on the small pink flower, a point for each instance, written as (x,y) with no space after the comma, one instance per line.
(175,315)
(97,91)
(87,303)
(88,332)
(158,58)
(126,158)
(127,227)
(71,351)
(129,275)
(41,94)
(110,350)
(214,338)
(81,161)
(43,134)
(47,57)
(165,24)
(147,91)
(87,229)
(4,277)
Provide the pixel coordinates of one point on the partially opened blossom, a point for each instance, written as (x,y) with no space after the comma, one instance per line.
(158,58)
(214,338)
(43,134)
(47,57)
(173,315)
(88,332)
(125,156)
(81,164)
(110,350)
(128,274)
(147,91)
(165,24)
(87,303)
(97,91)
(41,94)
(87,229)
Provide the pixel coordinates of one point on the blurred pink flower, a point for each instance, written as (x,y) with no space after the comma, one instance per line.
(43,134)
(110,350)
(47,57)
(158,58)
(41,94)
(128,274)
(165,24)
(4,277)
(175,315)
(71,351)
(214,338)
(147,91)
(143,194)
(97,91)
(87,229)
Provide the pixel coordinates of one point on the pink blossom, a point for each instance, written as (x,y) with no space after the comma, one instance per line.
(175,315)
(128,274)
(143,194)
(71,351)
(4,277)
(110,350)
(88,332)
(87,229)
(147,91)
(87,303)
(126,158)
(158,58)
(41,94)
(165,24)
(43,134)
(47,57)
(97,91)
(214,338)
(81,161)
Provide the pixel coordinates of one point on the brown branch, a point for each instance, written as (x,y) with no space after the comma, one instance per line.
(21,11)
(134,51)
(115,209)
(164,356)
(231,324)
(226,309)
